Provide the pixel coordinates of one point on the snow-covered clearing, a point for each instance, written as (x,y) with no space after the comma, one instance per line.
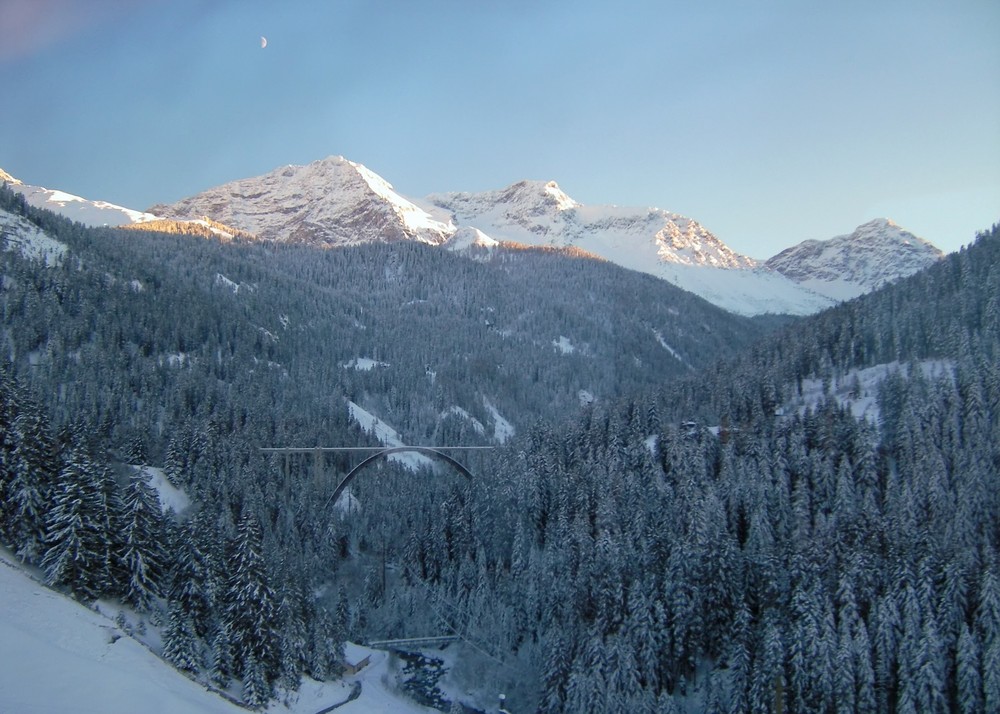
(178,359)
(364,364)
(458,411)
(564,345)
(225,282)
(502,429)
(388,436)
(858,389)
(171,497)
(60,656)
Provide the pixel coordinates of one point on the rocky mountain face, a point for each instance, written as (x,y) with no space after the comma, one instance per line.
(329,202)
(875,254)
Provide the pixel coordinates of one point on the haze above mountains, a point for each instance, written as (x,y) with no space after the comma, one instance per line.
(334,201)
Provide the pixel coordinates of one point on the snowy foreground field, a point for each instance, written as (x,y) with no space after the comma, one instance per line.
(59,656)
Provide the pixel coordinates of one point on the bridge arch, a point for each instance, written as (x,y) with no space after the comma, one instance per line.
(385,453)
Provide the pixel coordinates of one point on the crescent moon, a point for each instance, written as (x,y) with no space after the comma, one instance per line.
(263,42)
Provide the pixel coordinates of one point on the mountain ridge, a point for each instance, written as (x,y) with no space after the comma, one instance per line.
(334,201)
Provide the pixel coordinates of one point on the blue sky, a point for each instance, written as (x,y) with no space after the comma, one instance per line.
(769,122)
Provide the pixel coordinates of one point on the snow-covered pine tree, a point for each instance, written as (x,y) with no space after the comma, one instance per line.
(8,413)
(144,559)
(34,466)
(251,606)
(256,688)
(77,544)
(222,667)
(968,673)
(180,643)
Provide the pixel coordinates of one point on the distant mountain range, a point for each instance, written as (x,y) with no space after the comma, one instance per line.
(335,202)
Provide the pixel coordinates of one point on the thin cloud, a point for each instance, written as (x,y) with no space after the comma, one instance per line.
(31,26)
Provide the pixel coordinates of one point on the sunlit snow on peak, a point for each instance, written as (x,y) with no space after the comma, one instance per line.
(413,217)
(563,202)
(7,178)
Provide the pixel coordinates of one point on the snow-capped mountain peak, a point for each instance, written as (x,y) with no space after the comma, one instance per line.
(541,213)
(563,202)
(332,201)
(874,254)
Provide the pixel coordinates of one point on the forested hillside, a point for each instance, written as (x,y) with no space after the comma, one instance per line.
(796,560)
(192,352)
(663,531)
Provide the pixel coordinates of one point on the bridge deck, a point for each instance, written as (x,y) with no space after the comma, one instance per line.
(414,642)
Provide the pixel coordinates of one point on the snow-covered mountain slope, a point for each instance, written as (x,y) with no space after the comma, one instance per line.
(755,291)
(20,234)
(82,210)
(649,240)
(538,213)
(332,202)
(60,657)
(102,213)
(875,254)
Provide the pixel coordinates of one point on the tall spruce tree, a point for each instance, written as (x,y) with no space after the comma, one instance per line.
(144,560)
(77,542)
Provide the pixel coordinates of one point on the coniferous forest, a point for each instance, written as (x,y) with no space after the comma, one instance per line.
(674,525)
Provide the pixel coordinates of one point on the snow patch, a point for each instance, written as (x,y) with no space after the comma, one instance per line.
(745,292)
(171,497)
(364,364)
(388,436)
(503,430)
(177,359)
(564,345)
(223,281)
(59,656)
(347,503)
(458,411)
(465,238)
(673,353)
(858,389)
